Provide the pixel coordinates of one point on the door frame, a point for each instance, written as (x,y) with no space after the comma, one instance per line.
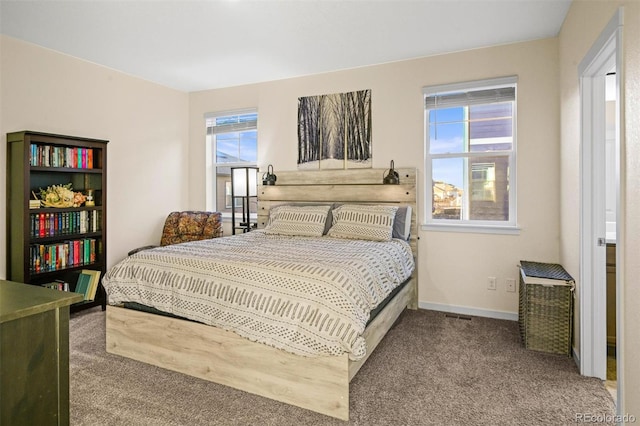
(605,54)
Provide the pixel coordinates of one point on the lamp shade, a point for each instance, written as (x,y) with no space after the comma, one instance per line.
(244,181)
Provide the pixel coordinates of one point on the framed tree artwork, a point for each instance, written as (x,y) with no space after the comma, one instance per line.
(334,131)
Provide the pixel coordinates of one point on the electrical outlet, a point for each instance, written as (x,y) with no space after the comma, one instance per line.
(492,283)
(511,285)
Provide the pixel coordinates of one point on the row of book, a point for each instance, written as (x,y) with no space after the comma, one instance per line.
(61,156)
(64,223)
(67,254)
(59,285)
(87,284)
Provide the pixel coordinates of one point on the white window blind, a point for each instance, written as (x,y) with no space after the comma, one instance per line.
(475,97)
(238,122)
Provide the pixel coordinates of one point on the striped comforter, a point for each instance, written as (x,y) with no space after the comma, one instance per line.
(309,296)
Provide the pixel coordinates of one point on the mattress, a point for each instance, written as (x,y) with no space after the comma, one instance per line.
(305,295)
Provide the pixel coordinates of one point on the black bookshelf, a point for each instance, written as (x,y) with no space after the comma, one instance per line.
(36,161)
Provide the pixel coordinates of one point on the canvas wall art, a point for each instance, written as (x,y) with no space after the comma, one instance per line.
(334,131)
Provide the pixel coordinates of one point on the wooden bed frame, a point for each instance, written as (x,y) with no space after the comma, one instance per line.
(319,384)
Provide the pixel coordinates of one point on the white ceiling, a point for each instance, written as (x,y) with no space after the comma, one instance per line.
(197,45)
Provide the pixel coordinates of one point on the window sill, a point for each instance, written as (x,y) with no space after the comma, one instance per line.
(468,228)
(226,217)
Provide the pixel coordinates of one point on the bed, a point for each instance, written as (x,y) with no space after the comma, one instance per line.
(231,353)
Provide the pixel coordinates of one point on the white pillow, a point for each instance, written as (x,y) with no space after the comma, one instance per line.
(306,221)
(362,222)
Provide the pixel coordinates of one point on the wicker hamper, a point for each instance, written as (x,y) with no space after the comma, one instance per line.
(545,314)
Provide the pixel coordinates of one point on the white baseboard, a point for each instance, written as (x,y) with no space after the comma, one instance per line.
(465,310)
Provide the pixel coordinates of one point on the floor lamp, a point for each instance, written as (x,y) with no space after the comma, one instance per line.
(244,185)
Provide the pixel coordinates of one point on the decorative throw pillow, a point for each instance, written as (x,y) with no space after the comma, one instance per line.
(402,223)
(306,221)
(328,222)
(362,222)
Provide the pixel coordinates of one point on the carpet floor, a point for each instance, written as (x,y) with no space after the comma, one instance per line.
(430,369)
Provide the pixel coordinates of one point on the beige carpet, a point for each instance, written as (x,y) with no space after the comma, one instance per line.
(429,370)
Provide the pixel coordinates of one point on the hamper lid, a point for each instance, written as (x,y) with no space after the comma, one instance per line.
(545,270)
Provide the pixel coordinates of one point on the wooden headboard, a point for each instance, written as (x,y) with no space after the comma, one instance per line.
(343,186)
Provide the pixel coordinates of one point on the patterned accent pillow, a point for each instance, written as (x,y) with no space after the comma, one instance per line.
(360,222)
(306,221)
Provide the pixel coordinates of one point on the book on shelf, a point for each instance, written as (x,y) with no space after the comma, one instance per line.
(59,285)
(59,156)
(82,285)
(62,223)
(65,254)
(93,283)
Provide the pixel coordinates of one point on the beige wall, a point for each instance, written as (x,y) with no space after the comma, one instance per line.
(146,125)
(584,23)
(453,267)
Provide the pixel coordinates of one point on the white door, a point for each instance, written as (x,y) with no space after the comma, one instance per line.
(601,59)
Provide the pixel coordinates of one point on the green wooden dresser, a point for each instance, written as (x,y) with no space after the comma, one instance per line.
(34,354)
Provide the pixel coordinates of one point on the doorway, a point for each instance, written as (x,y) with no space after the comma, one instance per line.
(603,58)
(611,225)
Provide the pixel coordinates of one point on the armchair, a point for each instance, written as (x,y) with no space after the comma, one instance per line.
(180,227)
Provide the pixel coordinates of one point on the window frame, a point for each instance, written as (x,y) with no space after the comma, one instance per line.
(211,160)
(509,226)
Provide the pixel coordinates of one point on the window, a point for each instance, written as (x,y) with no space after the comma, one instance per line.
(232,141)
(483,182)
(470,145)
